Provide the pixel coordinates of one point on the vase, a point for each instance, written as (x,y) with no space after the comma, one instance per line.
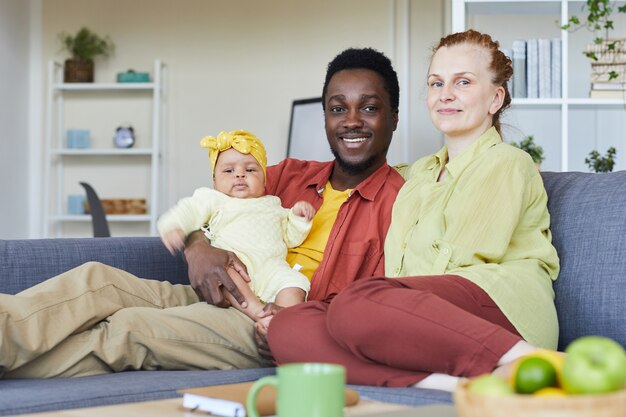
(78,71)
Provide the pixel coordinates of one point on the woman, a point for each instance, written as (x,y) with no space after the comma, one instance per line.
(469,248)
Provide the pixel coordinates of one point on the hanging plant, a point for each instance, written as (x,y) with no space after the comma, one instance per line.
(599,20)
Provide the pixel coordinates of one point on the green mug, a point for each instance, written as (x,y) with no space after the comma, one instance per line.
(304,390)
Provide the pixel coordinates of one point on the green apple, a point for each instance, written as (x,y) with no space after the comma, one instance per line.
(594,364)
(490,384)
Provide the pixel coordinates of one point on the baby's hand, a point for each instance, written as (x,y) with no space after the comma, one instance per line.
(264,323)
(174,241)
(304,209)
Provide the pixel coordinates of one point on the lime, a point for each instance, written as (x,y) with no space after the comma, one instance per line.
(534,373)
(555,358)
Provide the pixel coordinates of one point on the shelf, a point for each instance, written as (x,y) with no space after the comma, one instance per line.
(102,86)
(521,2)
(565,127)
(537,102)
(597,102)
(110,217)
(104,152)
(100,106)
(513,7)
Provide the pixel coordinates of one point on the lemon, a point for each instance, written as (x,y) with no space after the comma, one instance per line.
(534,373)
(550,392)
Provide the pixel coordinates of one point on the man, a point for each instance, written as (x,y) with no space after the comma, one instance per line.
(97,319)
(360,100)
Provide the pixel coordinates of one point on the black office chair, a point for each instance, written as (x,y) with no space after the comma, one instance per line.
(98,218)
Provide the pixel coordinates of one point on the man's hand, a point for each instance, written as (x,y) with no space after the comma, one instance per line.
(260,329)
(207,271)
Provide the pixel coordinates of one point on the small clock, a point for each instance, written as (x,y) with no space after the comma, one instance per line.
(124,137)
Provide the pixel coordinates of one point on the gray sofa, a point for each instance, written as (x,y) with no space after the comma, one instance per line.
(589,231)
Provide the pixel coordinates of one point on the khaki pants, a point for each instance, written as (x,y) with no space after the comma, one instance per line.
(97,319)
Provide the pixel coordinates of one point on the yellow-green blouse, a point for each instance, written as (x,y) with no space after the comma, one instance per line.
(487,221)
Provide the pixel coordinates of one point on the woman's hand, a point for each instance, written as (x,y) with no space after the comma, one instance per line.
(207,271)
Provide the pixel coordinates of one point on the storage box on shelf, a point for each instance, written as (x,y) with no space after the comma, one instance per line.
(134,173)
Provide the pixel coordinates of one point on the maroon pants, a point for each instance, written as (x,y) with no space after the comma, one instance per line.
(396,331)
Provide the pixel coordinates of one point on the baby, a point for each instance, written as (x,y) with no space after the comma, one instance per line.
(239,217)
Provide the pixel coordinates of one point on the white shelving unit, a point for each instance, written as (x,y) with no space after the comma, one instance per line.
(65,167)
(568,128)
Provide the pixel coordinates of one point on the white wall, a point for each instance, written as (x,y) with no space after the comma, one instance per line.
(14,113)
(239,64)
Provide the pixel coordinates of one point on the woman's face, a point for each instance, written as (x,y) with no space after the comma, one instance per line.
(461,96)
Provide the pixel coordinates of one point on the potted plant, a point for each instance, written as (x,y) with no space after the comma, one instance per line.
(598,163)
(529,146)
(83,48)
(599,21)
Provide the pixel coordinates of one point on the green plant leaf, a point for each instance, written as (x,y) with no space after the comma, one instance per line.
(529,146)
(86,45)
(598,163)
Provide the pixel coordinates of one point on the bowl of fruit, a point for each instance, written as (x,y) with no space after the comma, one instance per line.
(588,381)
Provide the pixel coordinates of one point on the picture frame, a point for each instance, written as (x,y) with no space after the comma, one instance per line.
(307,134)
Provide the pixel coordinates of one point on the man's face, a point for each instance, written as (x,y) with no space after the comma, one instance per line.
(359,120)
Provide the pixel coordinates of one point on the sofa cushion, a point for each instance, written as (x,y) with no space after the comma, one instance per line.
(20,396)
(28,262)
(588,222)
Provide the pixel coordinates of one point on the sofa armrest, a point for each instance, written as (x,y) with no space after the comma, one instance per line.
(24,263)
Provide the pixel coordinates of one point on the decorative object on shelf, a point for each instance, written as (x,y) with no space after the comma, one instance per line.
(608,64)
(76,203)
(131,76)
(78,139)
(93,207)
(529,146)
(124,137)
(83,48)
(606,54)
(598,163)
(610,89)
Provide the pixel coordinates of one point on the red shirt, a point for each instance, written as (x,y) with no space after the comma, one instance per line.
(355,245)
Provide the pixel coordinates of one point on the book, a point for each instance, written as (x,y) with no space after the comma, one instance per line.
(555,72)
(616,86)
(519,69)
(618,94)
(532,68)
(544,67)
(229,400)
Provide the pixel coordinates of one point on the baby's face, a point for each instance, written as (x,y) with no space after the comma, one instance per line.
(238,175)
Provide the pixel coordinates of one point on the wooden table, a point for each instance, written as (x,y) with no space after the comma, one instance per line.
(172,408)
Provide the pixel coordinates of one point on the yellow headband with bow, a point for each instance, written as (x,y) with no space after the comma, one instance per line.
(240,140)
